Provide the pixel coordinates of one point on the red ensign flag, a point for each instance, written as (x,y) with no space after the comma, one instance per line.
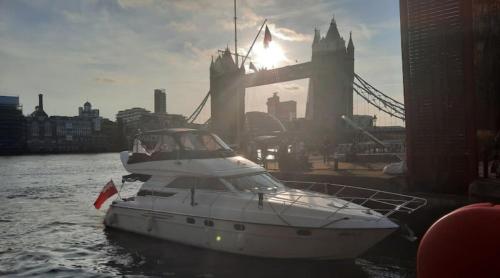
(267,37)
(107,191)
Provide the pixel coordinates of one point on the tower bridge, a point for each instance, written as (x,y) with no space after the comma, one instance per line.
(332,82)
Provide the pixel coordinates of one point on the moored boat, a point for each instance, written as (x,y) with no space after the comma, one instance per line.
(197,191)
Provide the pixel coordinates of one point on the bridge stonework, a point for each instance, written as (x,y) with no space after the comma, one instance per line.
(330,87)
(330,94)
(227,94)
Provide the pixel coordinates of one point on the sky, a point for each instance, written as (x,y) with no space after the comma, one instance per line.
(114,53)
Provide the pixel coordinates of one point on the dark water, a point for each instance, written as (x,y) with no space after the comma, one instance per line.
(49,228)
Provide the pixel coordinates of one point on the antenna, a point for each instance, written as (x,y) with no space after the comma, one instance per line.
(235,37)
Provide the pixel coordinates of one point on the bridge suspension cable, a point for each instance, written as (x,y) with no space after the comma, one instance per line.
(198,109)
(361,87)
(378,99)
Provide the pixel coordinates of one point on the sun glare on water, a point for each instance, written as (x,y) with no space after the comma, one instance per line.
(270,57)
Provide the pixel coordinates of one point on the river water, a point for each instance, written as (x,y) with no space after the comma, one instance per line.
(49,228)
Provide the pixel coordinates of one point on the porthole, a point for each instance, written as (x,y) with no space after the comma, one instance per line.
(190,220)
(304,232)
(209,223)
(239,227)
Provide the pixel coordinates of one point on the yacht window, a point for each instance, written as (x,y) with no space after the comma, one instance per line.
(151,144)
(262,182)
(191,141)
(220,142)
(198,183)
(209,143)
(202,142)
(183,182)
(139,147)
(168,144)
(211,184)
(144,192)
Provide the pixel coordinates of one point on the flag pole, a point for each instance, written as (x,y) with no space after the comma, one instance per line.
(254,40)
(121,187)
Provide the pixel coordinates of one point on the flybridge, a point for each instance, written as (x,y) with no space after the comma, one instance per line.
(177,144)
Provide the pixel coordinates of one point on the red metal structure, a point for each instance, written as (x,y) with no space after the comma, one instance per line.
(439,94)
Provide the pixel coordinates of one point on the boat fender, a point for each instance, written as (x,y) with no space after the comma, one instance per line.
(463,243)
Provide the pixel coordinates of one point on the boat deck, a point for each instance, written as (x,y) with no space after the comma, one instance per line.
(365,174)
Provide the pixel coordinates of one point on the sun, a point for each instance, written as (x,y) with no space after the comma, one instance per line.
(269,57)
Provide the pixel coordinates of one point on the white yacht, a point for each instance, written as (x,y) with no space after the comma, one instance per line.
(197,191)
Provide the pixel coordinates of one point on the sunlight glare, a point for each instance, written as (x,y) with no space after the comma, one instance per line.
(268,57)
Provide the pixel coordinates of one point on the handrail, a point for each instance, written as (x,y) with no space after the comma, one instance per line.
(401,206)
(390,202)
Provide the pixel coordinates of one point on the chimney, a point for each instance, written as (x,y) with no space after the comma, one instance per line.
(40,102)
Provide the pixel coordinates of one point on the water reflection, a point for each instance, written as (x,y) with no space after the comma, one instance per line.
(141,255)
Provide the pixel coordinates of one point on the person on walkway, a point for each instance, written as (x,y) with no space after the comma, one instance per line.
(325,150)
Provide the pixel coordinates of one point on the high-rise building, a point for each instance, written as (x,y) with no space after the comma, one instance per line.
(160,101)
(12,126)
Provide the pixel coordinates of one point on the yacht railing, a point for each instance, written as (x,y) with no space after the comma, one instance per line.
(342,196)
(384,202)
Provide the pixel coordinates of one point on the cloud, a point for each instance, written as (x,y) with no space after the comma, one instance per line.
(247,19)
(182,26)
(199,53)
(136,3)
(104,80)
(191,6)
(288,34)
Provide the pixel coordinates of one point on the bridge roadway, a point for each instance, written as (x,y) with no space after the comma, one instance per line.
(284,74)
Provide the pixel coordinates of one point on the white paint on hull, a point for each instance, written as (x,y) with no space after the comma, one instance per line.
(271,241)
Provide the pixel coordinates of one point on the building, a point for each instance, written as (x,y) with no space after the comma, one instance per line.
(12,126)
(131,118)
(450,69)
(59,134)
(134,120)
(160,101)
(39,131)
(227,97)
(330,87)
(364,121)
(88,113)
(285,111)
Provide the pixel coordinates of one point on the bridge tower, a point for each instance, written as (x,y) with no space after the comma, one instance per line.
(330,86)
(227,94)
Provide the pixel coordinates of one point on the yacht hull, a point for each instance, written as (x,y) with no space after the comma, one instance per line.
(252,239)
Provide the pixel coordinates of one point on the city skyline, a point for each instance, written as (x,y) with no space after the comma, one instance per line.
(115,53)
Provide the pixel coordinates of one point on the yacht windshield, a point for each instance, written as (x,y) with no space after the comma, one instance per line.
(155,143)
(262,182)
(201,142)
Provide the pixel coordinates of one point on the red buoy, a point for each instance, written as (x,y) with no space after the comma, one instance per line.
(463,243)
